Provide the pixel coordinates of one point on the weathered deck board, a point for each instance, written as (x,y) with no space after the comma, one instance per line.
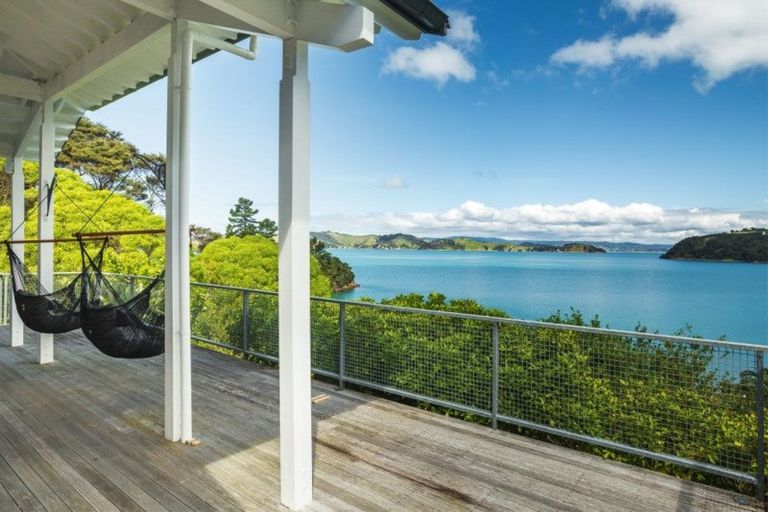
(85,433)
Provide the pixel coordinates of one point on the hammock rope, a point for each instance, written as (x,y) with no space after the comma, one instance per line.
(40,309)
(120,326)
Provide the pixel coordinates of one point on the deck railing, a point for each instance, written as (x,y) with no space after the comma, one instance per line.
(694,404)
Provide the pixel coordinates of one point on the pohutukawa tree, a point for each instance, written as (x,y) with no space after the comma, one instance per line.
(107,161)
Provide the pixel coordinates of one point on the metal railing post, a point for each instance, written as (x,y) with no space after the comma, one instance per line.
(6,296)
(246,319)
(342,342)
(760,417)
(495,378)
(132,286)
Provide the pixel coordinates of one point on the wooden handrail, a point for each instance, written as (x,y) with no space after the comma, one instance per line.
(87,236)
(118,233)
(55,240)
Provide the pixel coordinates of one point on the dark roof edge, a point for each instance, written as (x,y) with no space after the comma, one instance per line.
(422,13)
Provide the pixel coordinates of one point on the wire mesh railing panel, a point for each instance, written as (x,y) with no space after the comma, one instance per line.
(688,400)
(448,359)
(263,328)
(217,315)
(325,335)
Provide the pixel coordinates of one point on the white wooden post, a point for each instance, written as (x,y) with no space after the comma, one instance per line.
(293,216)
(172,356)
(178,387)
(45,217)
(17,220)
(182,227)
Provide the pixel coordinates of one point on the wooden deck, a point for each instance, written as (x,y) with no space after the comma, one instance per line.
(85,433)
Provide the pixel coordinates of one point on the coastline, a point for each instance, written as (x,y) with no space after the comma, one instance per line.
(707,260)
(350,286)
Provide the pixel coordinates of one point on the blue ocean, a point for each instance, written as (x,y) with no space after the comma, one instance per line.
(624,289)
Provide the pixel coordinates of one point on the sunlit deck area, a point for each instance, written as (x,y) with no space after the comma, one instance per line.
(85,433)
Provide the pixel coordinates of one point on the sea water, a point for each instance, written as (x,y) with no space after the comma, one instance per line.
(624,289)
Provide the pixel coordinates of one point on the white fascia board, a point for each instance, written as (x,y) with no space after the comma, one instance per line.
(20,88)
(104,56)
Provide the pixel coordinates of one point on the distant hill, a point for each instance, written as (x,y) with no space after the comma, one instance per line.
(608,246)
(748,245)
(458,243)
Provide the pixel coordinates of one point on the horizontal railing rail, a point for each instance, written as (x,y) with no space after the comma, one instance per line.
(695,403)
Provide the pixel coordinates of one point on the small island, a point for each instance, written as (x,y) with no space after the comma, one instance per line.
(748,245)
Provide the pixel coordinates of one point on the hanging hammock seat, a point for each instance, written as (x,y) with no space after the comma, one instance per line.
(127,328)
(41,310)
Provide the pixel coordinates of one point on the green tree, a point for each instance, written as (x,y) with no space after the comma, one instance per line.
(339,272)
(248,262)
(267,228)
(75,200)
(242,219)
(107,161)
(99,154)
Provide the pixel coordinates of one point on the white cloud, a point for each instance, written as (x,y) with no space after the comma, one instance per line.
(441,61)
(394,183)
(719,37)
(463,32)
(585,220)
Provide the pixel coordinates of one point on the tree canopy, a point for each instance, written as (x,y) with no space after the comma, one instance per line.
(242,218)
(242,221)
(339,272)
(249,262)
(107,161)
(74,201)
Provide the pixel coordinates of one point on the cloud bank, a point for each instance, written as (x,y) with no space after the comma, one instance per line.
(719,37)
(586,220)
(441,61)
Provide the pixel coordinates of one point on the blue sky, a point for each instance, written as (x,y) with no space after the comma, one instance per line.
(637,120)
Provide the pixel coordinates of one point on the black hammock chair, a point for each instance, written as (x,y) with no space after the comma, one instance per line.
(120,326)
(42,310)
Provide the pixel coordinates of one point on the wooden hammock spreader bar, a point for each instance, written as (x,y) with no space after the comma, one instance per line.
(53,240)
(103,234)
(87,236)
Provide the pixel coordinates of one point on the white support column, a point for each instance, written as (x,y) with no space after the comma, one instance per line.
(17,220)
(172,350)
(47,158)
(295,385)
(183,229)
(178,380)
